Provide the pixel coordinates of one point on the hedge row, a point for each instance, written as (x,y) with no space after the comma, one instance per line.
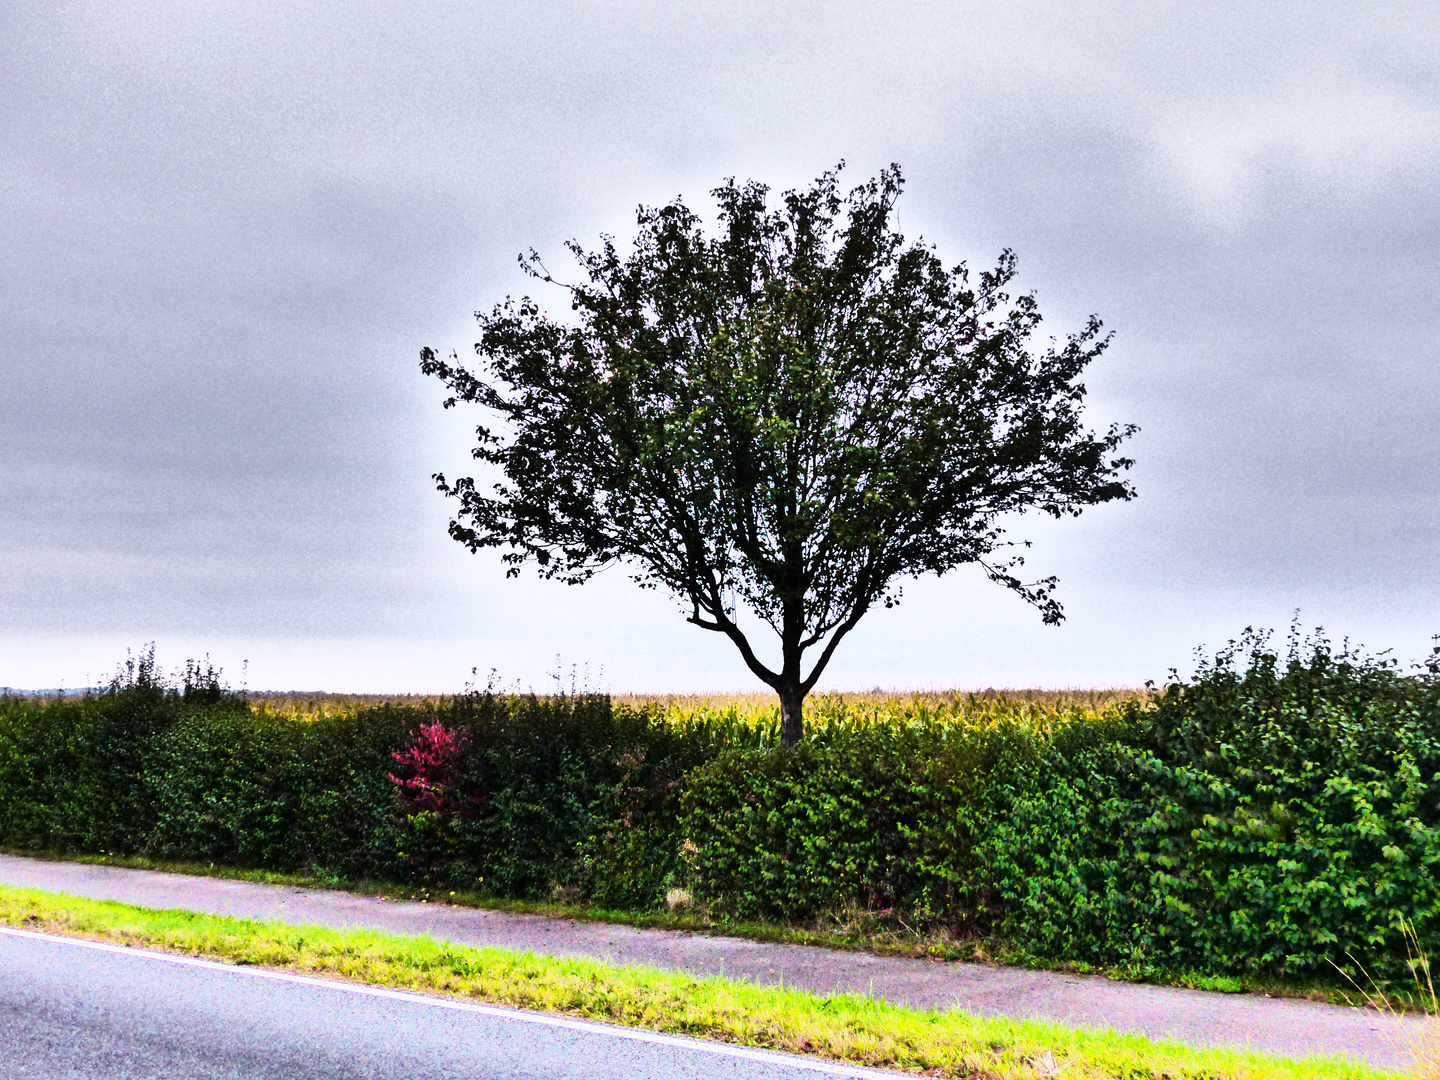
(1270,815)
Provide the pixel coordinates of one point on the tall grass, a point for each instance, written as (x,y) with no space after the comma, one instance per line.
(1423,1048)
(751,720)
(319,705)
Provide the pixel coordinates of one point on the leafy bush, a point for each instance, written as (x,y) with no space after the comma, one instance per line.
(1267,815)
(1291,809)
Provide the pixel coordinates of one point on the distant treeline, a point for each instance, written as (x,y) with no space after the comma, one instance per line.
(12,691)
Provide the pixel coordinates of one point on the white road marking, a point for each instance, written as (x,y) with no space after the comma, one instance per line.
(592,1027)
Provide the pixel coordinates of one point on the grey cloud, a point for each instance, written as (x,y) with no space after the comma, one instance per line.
(229,228)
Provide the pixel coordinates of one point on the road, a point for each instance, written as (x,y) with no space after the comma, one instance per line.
(85,1011)
(1198,1018)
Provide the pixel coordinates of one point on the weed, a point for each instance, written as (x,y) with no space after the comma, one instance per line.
(1424,1046)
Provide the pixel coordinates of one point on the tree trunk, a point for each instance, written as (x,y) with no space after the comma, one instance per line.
(792,723)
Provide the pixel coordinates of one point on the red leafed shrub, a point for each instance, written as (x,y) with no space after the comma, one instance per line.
(435,762)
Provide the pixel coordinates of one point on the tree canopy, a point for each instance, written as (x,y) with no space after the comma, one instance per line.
(792,416)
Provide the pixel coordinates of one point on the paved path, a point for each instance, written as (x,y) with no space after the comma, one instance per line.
(101,1012)
(1195,1017)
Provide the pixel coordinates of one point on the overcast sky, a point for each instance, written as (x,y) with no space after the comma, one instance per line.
(227,229)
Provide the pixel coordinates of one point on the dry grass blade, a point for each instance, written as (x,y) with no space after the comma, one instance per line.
(1423,1047)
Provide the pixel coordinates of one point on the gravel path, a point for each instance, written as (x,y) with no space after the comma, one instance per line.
(1195,1017)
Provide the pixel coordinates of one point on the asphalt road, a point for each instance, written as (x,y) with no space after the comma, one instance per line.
(85,1011)
(1195,1017)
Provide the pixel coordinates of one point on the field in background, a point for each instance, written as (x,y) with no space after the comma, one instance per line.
(745,704)
(320,703)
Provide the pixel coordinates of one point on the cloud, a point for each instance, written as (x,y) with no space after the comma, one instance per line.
(230,228)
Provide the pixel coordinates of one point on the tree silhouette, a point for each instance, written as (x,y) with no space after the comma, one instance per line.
(791,416)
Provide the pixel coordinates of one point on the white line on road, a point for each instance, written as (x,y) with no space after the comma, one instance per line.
(542,1019)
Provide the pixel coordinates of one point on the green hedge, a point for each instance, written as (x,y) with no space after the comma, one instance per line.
(1272,818)
(147,770)
(1271,815)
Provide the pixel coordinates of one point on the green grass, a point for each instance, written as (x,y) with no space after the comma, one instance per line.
(856,933)
(844,1027)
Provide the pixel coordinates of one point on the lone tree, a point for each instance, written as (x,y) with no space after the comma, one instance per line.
(792,415)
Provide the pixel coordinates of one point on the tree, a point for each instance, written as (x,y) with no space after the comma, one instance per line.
(791,415)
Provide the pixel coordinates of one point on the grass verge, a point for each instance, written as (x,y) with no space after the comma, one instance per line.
(852,933)
(847,1028)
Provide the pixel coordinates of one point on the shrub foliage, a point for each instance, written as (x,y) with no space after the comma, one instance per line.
(1271,815)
